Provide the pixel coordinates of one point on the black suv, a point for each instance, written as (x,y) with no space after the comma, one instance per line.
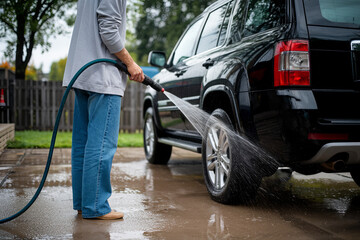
(283,73)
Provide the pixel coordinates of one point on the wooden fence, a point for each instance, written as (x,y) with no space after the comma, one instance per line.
(33,105)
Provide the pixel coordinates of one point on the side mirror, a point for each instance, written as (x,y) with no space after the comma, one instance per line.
(157,59)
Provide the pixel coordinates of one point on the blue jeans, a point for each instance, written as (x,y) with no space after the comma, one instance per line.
(94,143)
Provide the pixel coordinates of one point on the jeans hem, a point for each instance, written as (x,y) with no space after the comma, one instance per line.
(96,215)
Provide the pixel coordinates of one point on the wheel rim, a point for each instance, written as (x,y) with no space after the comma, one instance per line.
(218,156)
(149,136)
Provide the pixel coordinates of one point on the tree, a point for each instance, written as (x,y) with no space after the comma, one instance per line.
(161,23)
(29,23)
(57,70)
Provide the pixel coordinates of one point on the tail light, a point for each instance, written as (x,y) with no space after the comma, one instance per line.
(328,136)
(292,64)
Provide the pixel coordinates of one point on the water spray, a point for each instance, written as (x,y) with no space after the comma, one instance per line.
(121,66)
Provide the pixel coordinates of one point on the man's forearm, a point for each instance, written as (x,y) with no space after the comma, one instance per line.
(135,71)
(125,57)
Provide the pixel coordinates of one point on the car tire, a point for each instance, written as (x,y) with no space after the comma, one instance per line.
(355,174)
(155,152)
(226,171)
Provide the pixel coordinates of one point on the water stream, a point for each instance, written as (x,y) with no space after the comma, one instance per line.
(254,159)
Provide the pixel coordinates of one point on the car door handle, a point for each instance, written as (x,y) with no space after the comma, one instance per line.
(180,73)
(208,63)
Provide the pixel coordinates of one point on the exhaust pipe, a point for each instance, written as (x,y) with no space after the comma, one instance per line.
(337,163)
(334,166)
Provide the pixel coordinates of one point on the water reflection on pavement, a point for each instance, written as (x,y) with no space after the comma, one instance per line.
(171,202)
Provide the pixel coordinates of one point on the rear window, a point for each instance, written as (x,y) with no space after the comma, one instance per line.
(344,13)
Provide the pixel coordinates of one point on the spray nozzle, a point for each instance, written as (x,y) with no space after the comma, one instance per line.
(147,81)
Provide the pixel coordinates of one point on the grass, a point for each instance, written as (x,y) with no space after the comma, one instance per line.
(41,139)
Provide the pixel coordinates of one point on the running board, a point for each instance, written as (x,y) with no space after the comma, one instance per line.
(191,146)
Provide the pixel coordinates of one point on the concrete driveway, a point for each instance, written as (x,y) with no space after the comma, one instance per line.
(171,202)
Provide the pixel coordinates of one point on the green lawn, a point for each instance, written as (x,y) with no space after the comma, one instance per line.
(41,139)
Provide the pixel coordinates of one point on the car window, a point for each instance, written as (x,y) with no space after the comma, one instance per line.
(263,15)
(185,48)
(210,34)
(343,13)
(225,25)
(238,21)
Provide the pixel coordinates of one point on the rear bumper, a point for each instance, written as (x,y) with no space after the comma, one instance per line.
(331,150)
(288,133)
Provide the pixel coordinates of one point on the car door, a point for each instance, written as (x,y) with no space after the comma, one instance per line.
(207,52)
(170,78)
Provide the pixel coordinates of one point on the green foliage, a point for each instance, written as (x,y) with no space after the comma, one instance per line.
(57,70)
(31,73)
(41,139)
(161,22)
(26,24)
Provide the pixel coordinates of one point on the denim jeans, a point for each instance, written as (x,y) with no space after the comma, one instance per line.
(94,143)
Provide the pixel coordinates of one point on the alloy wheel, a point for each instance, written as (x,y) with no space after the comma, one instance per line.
(149,136)
(218,156)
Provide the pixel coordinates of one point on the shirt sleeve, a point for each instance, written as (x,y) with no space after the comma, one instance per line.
(110,21)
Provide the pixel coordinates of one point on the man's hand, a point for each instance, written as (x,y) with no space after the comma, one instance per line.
(136,73)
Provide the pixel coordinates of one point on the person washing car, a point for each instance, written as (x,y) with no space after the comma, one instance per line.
(99,32)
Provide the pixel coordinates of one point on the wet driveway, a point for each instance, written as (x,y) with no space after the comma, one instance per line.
(171,202)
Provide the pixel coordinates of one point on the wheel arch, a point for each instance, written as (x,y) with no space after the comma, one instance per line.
(220,96)
(149,103)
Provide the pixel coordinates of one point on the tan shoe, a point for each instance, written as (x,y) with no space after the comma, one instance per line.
(113,215)
(79,212)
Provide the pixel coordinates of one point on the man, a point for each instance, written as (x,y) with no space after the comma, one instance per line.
(99,32)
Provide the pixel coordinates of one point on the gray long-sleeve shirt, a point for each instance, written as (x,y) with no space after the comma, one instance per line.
(99,32)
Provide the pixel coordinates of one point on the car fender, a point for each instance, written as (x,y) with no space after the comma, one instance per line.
(150,100)
(298,99)
(226,76)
